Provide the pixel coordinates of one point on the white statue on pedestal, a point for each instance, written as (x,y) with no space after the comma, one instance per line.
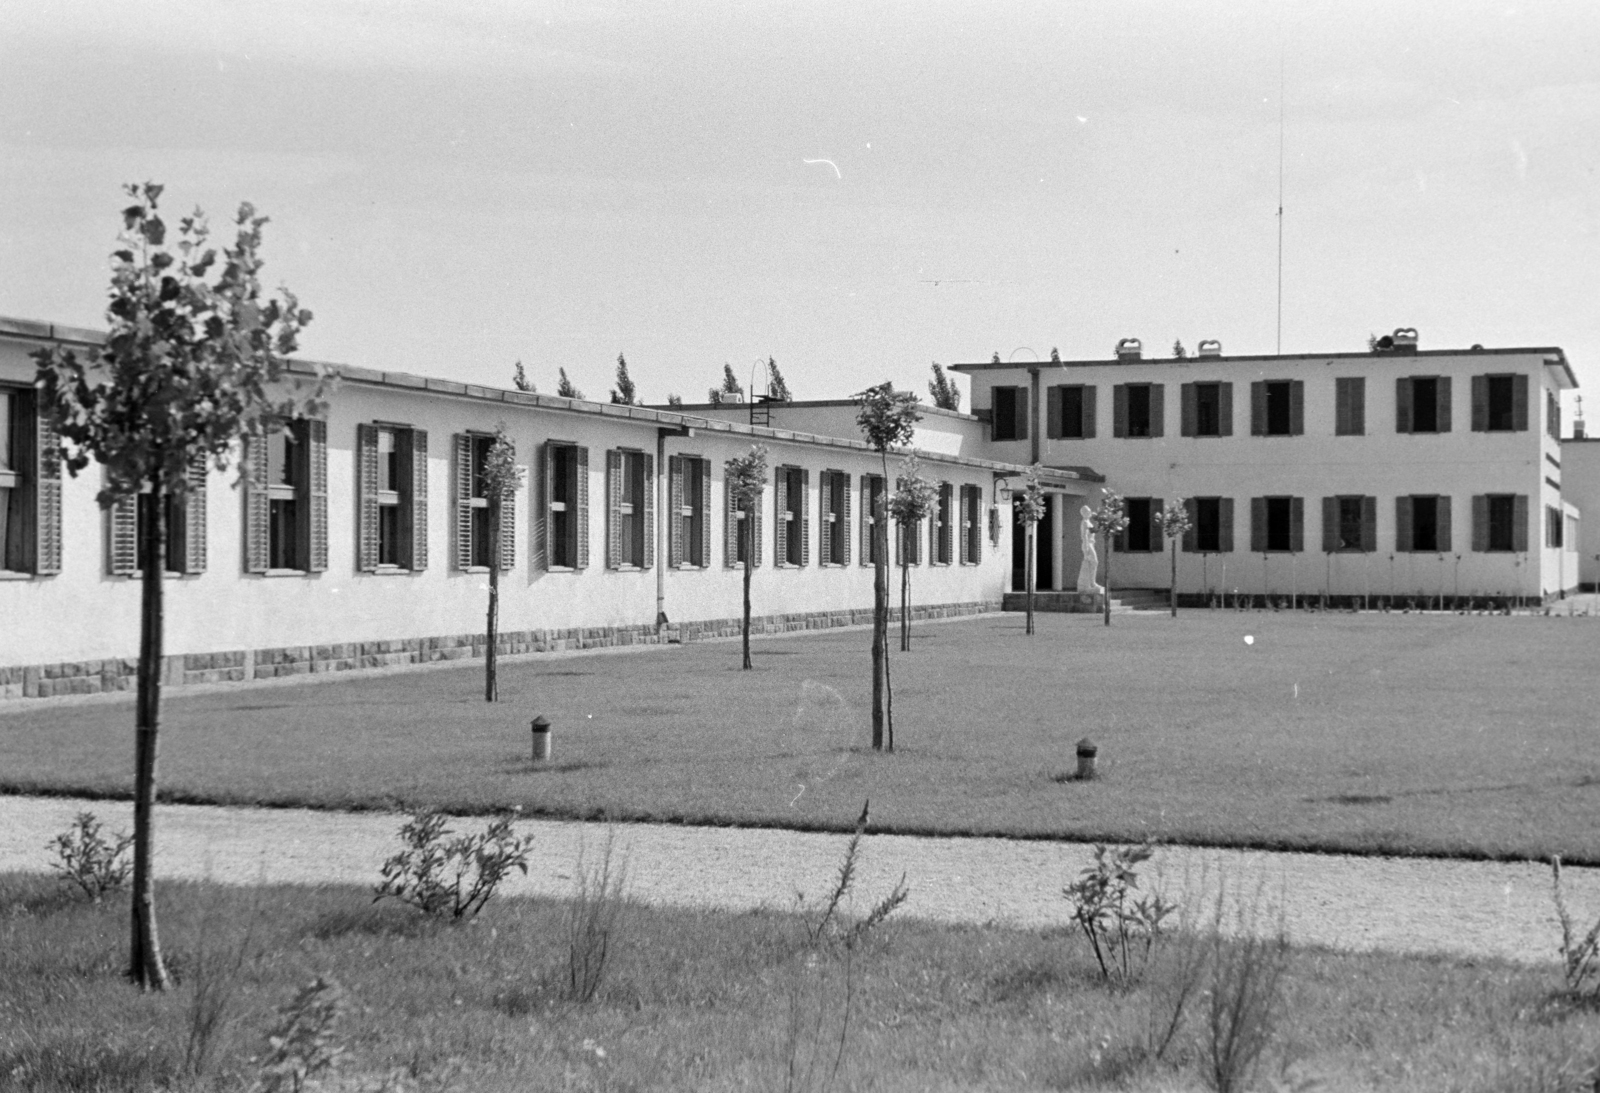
(1091,561)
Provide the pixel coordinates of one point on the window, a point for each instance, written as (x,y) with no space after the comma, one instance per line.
(872,511)
(186,530)
(1136,409)
(943,541)
(630,531)
(1499,404)
(1500,522)
(1070,412)
(1422,524)
(971,525)
(1140,535)
(1552,527)
(792,518)
(1277,408)
(1349,524)
(1422,404)
(286,500)
(742,528)
(1552,419)
(1350,406)
(566,496)
(834,542)
(1211,526)
(1207,409)
(1009,413)
(474,546)
(391,498)
(1277,524)
(30,487)
(689,532)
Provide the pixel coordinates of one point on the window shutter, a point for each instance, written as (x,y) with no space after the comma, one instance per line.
(780,513)
(947,504)
(730,525)
(1402,525)
(824,510)
(868,516)
(1341,407)
(805,517)
(1297,524)
(1442,386)
(975,551)
(544,526)
(1443,509)
(257,514)
(1052,428)
(648,524)
(1480,405)
(1402,405)
(966,525)
(1369,524)
(674,511)
(1119,410)
(1519,403)
(1352,398)
(1088,411)
(1186,410)
(1158,409)
(45,485)
(1480,517)
(613,509)
(508,526)
(367,498)
(755,538)
(844,514)
(122,549)
(1191,538)
(704,466)
(582,461)
(317,491)
(1225,525)
(194,519)
(418,477)
(1258,409)
(1258,525)
(1330,525)
(463,500)
(1297,408)
(1024,417)
(1158,535)
(1519,529)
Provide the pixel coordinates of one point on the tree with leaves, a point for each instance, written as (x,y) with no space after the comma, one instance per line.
(943,390)
(194,361)
(674,400)
(730,386)
(501,477)
(1029,505)
(777,390)
(913,499)
(1111,518)
(520,381)
(564,386)
(887,418)
(1178,351)
(623,393)
(1173,521)
(745,478)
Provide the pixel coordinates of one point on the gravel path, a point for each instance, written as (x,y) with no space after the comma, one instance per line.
(1340,901)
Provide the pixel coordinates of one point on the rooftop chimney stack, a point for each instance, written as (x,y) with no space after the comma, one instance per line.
(1211,348)
(1130,349)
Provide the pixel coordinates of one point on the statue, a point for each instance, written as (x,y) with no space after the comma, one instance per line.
(1091,561)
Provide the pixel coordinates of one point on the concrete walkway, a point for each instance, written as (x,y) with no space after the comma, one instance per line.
(1340,901)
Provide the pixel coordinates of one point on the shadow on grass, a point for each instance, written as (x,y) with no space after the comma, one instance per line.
(528,766)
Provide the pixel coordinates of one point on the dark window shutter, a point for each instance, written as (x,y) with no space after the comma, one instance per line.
(1225,409)
(257,509)
(1119,410)
(844,515)
(1297,407)
(947,517)
(122,542)
(1191,538)
(418,477)
(1519,528)
(1053,428)
(1369,524)
(824,510)
(1225,525)
(1158,505)
(647,525)
(674,511)
(1443,510)
(1088,411)
(508,526)
(1158,409)
(582,521)
(1341,407)
(1258,525)
(317,495)
(39,448)
(613,508)
(367,498)
(1402,525)
(755,510)
(1480,518)
(780,517)
(1186,409)
(1519,403)
(704,470)
(1480,404)
(1442,386)
(1358,406)
(544,547)
(462,443)
(805,517)
(1330,525)
(965,517)
(194,519)
(1297,524)
(1024,415)
(1258,409)
(1402,404)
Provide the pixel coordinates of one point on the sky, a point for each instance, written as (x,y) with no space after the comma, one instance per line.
(853,188)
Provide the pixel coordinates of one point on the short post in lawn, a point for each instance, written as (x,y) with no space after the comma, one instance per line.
(1087,750)
(541,739)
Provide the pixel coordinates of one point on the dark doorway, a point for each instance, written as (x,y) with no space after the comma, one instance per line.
(1044,555)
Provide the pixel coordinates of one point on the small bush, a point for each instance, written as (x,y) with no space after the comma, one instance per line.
(595,919)
(1580,954)
(303,1048)
(457,876)
(87,859)
(1122,931)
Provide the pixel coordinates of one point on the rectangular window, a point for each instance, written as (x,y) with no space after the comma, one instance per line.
(872,499)
(175,531)
(1422,524)
(1071,412)
(1350,406)
(391,498)
(971,525)
(1139,535)
(1425,524)
(388,500)
(943,540)
(1279,523)
(16,514)
(792,524)
(1207,521)
(1351,523)
(1422,404)
(691,515)
(1208,409)
(286,473)
(1009,413)
(286,498)
(1552,527)
(834,541)
(1495,403)
(743,527)
(1277,408)
(629,484)
(1278,420)
(1138,409)
(567,501)
(1552,420)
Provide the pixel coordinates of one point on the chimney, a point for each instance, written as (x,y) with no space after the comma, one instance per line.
(1405,339)
(1211,348)
(1129,349)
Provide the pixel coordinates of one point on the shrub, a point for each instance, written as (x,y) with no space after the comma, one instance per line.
(1580,955)
(1122,931)
(437,875)
(303,1048)
(594,921)
(86,858)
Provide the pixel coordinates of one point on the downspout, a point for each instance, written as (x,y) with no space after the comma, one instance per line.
(1033,411)
(663,490)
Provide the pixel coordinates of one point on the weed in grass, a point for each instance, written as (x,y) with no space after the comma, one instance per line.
(87,859)
(1177,978)
(304,1047)
(1580,954)
(1243,1004)
(213,974)
(595,920)
(1122,931)
(457,876)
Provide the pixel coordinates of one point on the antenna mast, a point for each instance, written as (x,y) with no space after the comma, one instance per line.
(1280,197)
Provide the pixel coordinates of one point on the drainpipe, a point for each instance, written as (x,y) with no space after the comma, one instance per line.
(1033,411)
(663,498)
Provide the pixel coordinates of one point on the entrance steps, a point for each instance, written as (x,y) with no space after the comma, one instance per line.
(1123,601)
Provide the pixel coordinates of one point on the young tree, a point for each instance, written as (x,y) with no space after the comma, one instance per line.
(519,379)
(623,393)
(887,418)
(1030,510)
(1178,351)
(1108,520)
(746,480)
(942,389)
(193,362)
(730,386)
(777,390)
(564,386)
(1173,521)
(912,501)
(674,400)
(501,477)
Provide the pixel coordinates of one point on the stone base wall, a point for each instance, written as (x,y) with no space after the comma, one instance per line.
(239,665)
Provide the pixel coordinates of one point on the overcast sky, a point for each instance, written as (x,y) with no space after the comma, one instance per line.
(455,186)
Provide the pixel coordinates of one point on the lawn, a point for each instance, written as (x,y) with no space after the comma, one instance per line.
(1405,734)
(717,1001)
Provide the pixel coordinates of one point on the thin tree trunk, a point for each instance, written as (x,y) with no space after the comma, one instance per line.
(491,681)
(905,605)
(1028,573)
(1107,551)
(882,700)
(1174,578)
(145,966)
(749,533)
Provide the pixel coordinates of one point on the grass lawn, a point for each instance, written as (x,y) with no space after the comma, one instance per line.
(1440,734)
(707,1001)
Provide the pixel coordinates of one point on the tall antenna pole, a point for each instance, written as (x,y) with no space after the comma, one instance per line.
(1280,197)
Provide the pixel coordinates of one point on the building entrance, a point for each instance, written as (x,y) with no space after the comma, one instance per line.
(1044,554)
